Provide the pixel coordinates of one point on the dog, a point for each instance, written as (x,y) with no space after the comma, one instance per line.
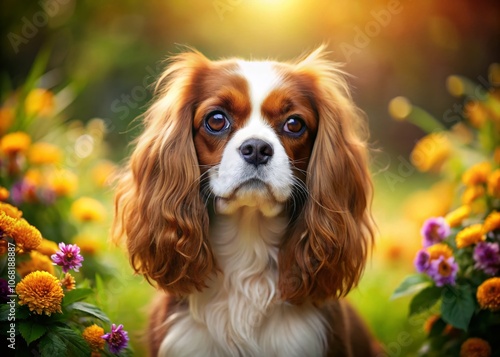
(246,201)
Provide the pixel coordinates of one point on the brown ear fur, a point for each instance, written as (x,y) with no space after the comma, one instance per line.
(158,206)
(327,249)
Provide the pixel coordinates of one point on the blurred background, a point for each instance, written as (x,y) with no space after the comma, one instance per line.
(105,56)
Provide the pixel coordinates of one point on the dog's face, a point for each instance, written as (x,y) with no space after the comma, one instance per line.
(254,130)
(249,133)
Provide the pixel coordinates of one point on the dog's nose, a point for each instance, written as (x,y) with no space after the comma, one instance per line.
(256,151)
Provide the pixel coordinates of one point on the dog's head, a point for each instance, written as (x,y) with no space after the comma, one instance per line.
(280,137)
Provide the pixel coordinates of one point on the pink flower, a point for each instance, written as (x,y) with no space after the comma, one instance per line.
(434,230)
(68,256)
(117,339)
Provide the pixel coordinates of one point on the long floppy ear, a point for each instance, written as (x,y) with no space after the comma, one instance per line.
(158,206)
(328,246)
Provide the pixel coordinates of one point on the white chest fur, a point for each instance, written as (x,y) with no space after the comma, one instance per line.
(241,314)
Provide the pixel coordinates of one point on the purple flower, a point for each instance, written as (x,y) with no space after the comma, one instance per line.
(487,257)
(443,271)
(434,230)
(422,261)
(68,256)
(117,339)
(5,291)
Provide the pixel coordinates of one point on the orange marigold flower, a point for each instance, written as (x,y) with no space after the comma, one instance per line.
(471,194)
(488,294)
(40,102)
(87,209)
(93,335)
(25,235)
(440,249)
(10,210)
(44,153)
(47,247)
(4,194)
(475,347)
(430,152)
(14,143)
(455,218)
(494,184)
(68,282)
(492,222)
(470,235)
(37,261)
(477,174)
(41,292)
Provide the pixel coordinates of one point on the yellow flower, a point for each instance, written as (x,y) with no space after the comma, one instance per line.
(494,184)
(44,153)
(40,102)
(10,210)
(68,282)
(93,335)
(471,194)
(488,294)
(34,176)
(476,113)
(87,243)
(440,249)
(41,292)
(437,202)
(430,152)
(491,222)
(25,235)
(87,209)
(4,194)
(102,172)
(470,235)
(455,217)
(475,347)
(400,108)
(63,182)
(6,119)
(38,261)
(47,247)
(477,174)
(14,143)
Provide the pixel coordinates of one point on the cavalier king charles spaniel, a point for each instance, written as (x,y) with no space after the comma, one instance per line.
(246,200)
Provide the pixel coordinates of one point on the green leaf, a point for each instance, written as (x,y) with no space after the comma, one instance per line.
(425,299)
(458,306)
(51,345)
(76,295)
(4,312)
(31,331)
(74,341)
(90,310)
(410,285)
(62,341)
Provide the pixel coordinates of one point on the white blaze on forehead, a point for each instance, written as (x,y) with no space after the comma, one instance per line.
(262,78)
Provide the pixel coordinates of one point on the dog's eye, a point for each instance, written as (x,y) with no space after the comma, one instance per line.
(294,126)
(217,122)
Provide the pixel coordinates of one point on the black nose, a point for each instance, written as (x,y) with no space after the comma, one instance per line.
(256,151)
